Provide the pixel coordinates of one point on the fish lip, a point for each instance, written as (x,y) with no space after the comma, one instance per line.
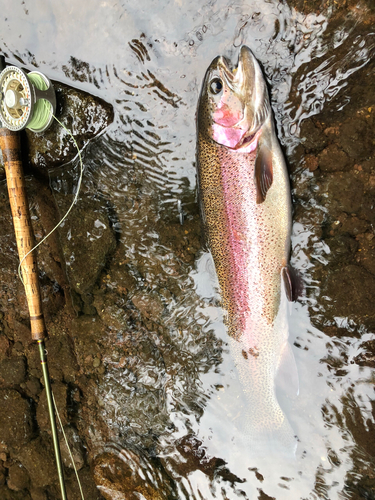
(246,58)
(227,71)
(246,69)
(226,64)
(243,73)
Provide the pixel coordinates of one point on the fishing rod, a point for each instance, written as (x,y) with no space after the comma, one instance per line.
(27,101)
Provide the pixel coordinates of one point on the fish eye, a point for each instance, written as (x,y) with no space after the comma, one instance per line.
(216,86)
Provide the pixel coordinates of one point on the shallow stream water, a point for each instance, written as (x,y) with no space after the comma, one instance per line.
(158,418)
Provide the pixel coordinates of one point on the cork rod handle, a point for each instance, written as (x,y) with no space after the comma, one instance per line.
(11,149)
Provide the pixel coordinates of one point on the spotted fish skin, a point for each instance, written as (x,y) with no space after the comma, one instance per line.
(246,210)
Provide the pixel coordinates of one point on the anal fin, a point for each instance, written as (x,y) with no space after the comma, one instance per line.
(287,375)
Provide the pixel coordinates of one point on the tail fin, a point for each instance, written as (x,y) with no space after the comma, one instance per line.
(261,420)
(279,439)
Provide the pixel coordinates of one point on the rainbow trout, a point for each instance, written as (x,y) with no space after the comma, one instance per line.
(246,209)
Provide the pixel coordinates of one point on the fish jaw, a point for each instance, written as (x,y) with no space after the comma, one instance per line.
(234,102)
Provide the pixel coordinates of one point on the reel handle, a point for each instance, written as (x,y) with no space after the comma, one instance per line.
(11,149)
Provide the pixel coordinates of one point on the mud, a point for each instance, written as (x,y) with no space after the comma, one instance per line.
(338,149)
(339,153)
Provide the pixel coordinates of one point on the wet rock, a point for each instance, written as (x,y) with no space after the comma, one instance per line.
(60,393)
(367,356)
(303,190)
(38,494)
(81,113)
(136,375)
(356,138)
(4,346)
(18,477)
(3,451)
(348,292)
(112,309)
(362,487)
(16,427)
(343,247)
(264,496)
(119,279)
(44,218)
(342,192)
(333,159)
(96,363)
(33,362)
(312,136)
(34,387)
(129,476)
(2,475)
(148,305)
(353,225)
(195,457)
(75,446)
(87,333)
(17,348)
(366,252)
(12,371)
(7,494)
(38,458)
(89,488)
(343,186)
(88,241)
(311,162)
(367,211)
(22,333)
(363,431)
(61,358)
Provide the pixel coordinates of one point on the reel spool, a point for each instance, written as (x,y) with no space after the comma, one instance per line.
(27,100)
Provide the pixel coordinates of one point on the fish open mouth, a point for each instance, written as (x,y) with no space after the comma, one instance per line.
(240,111)
(250,141)
(244,67)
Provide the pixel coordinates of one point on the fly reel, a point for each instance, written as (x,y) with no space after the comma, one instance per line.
(27,100)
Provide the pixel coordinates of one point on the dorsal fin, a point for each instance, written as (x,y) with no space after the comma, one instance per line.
(263,173)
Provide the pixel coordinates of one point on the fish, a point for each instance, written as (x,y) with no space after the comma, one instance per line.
(246,210)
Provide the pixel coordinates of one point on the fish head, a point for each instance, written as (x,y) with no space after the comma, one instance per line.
(234,102)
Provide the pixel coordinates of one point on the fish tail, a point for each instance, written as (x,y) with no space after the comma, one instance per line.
(279,437)
(262,420)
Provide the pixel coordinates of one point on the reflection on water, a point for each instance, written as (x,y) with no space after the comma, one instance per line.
(160,418)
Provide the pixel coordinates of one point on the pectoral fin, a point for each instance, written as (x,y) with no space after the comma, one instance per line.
(293,283)
(263,172)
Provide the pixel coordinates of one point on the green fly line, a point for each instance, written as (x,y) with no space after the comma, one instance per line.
(42,107)
(41,115)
